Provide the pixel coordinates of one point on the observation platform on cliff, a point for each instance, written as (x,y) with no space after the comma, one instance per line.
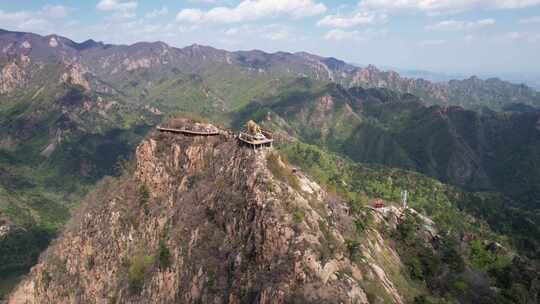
(188,127)
(256,141)
(189,132)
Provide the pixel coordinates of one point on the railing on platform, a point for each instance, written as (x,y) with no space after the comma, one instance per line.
(186,131)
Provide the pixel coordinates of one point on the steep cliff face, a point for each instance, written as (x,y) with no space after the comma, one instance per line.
(203,220)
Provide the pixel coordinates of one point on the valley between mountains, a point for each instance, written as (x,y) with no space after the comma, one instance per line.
(97,206)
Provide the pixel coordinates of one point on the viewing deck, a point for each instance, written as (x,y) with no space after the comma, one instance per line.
(251,141)
(260,140)
(189,132)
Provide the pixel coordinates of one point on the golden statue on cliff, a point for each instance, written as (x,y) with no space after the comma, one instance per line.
(252,127)
(254,136)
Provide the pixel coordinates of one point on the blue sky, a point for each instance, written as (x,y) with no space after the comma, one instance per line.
(452,36)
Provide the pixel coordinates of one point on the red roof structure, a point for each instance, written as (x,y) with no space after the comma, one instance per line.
(377,203)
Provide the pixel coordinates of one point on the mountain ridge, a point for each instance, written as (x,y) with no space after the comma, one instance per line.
(471,92)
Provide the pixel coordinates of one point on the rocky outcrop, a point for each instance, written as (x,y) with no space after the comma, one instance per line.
(202,219)
(75,74)
(472,92)
(5,226)
(373,77)
(14,75)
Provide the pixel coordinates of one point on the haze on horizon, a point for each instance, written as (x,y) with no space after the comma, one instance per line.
(485,37)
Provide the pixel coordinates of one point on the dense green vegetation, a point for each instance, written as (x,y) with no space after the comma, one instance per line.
(38,187)
(497,151)
(466,246)
(356,182)
(439,201)
(496,156)
(164,255)
(138,267)
(280,170)
(21,248)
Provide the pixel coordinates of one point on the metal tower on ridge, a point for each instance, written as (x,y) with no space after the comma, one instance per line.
(404,197)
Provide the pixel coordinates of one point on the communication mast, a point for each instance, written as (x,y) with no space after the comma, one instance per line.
(404,197)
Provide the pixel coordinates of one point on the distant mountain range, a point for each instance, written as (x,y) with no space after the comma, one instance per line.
(530,79)
(146,70)
(427,75)
(417,73)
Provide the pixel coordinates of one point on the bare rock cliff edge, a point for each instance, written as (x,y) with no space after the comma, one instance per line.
(203,220)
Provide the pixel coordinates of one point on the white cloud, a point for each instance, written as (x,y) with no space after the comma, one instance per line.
(121,9)
(14,17)
(514,36)
(120,16)
(207,1)
(341,35)
(431,7)
(359,18)
(434,7)
(190,15)
(232,31)
(432,42)
(55,11)
(510,4)
(163,11)
(278,35)
(32,20)
(249,10)
(521,36)
(270,32)
(129,31)
(117,5)
(456,25)
(530,20)
(24,21)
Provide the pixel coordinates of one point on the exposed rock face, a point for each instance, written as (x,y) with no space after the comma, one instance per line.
(26,45)
(5,227)
(54,142)
(204,220)
(13,74)
(137,64)
(75,75)
(53,42)
(373,77)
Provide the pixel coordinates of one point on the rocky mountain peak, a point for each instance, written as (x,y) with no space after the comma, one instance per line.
(372,68)
(90,43)
(201,218)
